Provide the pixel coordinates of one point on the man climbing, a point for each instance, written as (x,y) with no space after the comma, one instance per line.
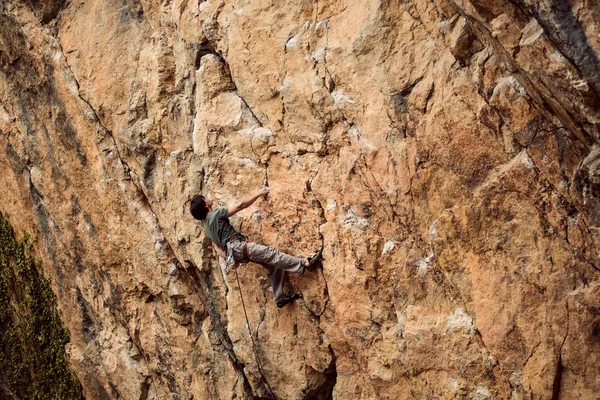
(234,246)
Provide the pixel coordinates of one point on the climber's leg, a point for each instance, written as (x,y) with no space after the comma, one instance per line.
(271,256)
(276,262)
(276,277)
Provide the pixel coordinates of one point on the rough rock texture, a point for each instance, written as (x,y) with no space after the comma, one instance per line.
(446,154)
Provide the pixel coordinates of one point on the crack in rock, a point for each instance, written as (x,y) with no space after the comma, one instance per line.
(539,93)
(140,201)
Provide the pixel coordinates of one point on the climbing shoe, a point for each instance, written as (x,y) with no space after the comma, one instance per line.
(288,299)
(315,261)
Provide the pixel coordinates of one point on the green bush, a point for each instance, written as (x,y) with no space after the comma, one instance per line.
(32,337)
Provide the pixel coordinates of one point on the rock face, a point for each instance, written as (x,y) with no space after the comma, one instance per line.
(445,154)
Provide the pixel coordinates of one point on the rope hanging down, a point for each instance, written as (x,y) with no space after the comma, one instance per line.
(260,368)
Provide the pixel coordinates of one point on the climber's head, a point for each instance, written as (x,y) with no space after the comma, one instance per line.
(200,207)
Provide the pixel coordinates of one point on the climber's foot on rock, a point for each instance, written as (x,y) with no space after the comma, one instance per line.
(315,261)
(288,299)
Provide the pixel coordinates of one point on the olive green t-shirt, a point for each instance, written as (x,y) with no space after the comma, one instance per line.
(217,226)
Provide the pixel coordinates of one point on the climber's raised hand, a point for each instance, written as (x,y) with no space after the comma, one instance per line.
(263,191)
(248,201)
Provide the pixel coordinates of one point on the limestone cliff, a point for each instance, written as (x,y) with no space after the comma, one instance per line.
(444,152)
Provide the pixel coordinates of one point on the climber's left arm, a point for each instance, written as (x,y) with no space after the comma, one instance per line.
(219,250)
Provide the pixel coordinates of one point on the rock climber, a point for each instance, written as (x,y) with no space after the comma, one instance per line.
(235,248)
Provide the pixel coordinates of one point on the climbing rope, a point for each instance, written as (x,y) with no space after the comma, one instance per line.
(244,307)
(254,347)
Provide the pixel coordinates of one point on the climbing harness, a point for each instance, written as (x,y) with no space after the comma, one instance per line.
(230,262)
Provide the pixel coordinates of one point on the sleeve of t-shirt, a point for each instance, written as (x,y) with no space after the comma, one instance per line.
(222,213)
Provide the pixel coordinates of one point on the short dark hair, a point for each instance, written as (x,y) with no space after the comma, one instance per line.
(198,208)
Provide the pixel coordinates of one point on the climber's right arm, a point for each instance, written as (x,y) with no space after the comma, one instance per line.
(248,201)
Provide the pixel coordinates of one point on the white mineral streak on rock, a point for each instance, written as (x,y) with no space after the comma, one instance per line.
(173,156)
(354,132)
(424,264)
(331,205)
(531,33)
(459,320)
(433,230)
(292,43)
(454,384)
(204,5)
(510,81)
(352,221)
(580,84)
(246,161)
(557,57)
(341,98)
(172,269)
(482,393)
(319,56)
(285,84)
(321,27)
(261,133)
(388,247)
(527,161)
(447,24)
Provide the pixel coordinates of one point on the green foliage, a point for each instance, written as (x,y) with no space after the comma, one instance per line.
(32,337)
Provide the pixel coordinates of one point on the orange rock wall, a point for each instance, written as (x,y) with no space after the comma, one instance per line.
(445,154)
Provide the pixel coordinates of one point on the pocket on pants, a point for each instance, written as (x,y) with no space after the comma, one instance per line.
(238,253)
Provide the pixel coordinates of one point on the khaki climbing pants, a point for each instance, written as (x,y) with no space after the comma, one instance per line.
(275,261)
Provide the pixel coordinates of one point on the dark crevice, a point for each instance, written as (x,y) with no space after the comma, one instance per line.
(248,107)
(148,169)
(325,390)
(145,388)
(556,385)
(532,351)
(557,379)
(46,10)
(400,99)
(203,49)
(322,222)
(87,317)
